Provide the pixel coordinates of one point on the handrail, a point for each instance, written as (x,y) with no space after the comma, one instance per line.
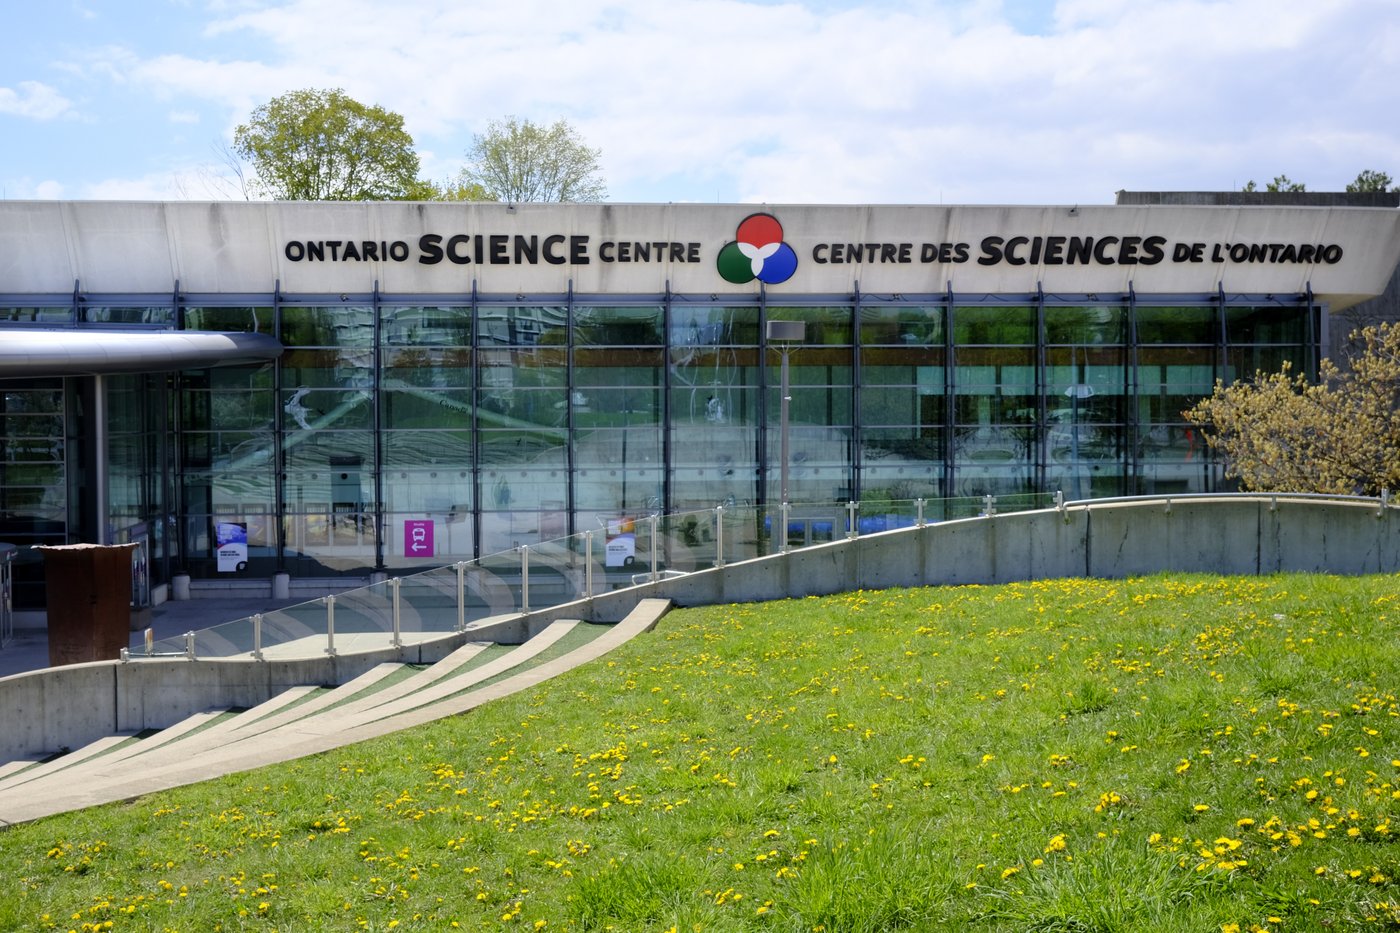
(442,600)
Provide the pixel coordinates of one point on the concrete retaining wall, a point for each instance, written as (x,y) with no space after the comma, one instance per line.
(71,706)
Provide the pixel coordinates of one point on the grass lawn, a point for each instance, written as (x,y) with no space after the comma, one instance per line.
(1168,753)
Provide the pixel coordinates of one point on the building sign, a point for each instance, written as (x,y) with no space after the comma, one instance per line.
(1339,255)
(231,546)
(759,252)
(418,538)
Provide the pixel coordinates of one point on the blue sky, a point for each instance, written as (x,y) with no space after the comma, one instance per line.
(821,101)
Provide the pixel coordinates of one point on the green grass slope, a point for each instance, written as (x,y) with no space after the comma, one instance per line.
(1187,753)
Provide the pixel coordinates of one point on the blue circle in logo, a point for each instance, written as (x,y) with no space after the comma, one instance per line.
(778,267)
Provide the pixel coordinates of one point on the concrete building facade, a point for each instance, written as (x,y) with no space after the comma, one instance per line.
(338,389)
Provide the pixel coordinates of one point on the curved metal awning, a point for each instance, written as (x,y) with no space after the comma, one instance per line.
(34,353)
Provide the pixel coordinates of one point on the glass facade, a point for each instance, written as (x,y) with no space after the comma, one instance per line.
(404,432)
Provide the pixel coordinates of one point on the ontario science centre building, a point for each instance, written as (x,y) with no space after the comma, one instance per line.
(360,388)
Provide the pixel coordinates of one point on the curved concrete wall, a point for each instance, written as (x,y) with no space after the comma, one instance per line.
(1241,534)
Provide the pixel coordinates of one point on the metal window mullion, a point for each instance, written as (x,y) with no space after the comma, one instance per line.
(949,390)
(569,458)
(762,440)
(475,344)
(1042,385)
(667,448)
(856,439)
(1133,460)
(376,414)
(279,458)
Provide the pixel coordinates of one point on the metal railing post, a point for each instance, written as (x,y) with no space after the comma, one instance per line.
(783,515)
(397,640)
(330,625)
(719,536)
(257,636)
(524,578)
(588,565)
(919,506)
(853,528)
(461,596)
(189,645)
(654,537)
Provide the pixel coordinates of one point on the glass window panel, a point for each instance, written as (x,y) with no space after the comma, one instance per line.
(441,491)
(523,367)
(621,326)
(888,364)
(310,449)
(616,407)
(829,405)
(507,407)
(522,326)
(338,326)
(714,325)
(31,474)
(714,405)
(533,447)
(31,401)
(993,325)
(226,449)
(901,405)
(618,367)
(32,449)
(322,409)
(824,325)
(245,320)
(31,425)
(618,489)
(426,408)
(633,447)
(427,366)
(984,365)
(434,325)
(224,488)
(896,479)
(104,314)
(415,448)
(517,488)
(328,368)
(902,325)
(1094,324)
(52,315)
(1185,324)
(1266,325)
(1245,361)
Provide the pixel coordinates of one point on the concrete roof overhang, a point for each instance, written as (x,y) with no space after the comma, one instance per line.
(34,353)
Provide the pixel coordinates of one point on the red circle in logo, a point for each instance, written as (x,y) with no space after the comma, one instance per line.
(759,230)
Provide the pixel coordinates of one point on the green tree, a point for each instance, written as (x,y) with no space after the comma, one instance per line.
(517,160)
(1279,184)
(1370,180)
(1279,433)
(317,145)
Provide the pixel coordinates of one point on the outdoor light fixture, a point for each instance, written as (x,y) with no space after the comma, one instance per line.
(785,334)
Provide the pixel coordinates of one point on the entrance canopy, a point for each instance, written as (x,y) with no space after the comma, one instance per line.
(34,353)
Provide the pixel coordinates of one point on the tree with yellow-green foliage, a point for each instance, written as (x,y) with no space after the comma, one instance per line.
(1278,432)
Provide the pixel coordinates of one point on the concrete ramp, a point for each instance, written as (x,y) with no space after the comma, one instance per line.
(280,731)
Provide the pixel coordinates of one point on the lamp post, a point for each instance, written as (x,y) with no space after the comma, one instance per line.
(785,334)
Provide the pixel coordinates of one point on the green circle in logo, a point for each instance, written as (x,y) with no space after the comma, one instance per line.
(733,265)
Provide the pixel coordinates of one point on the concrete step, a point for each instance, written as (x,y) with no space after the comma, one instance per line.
(124,782)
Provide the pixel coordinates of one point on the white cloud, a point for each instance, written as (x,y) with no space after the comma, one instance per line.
(34,100)
(897,100)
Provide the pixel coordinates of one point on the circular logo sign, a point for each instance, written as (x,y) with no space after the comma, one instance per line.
(757,252)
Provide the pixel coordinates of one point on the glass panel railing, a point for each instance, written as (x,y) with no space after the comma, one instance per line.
(623,553)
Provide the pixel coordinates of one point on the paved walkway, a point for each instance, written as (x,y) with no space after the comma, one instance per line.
(29,650)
